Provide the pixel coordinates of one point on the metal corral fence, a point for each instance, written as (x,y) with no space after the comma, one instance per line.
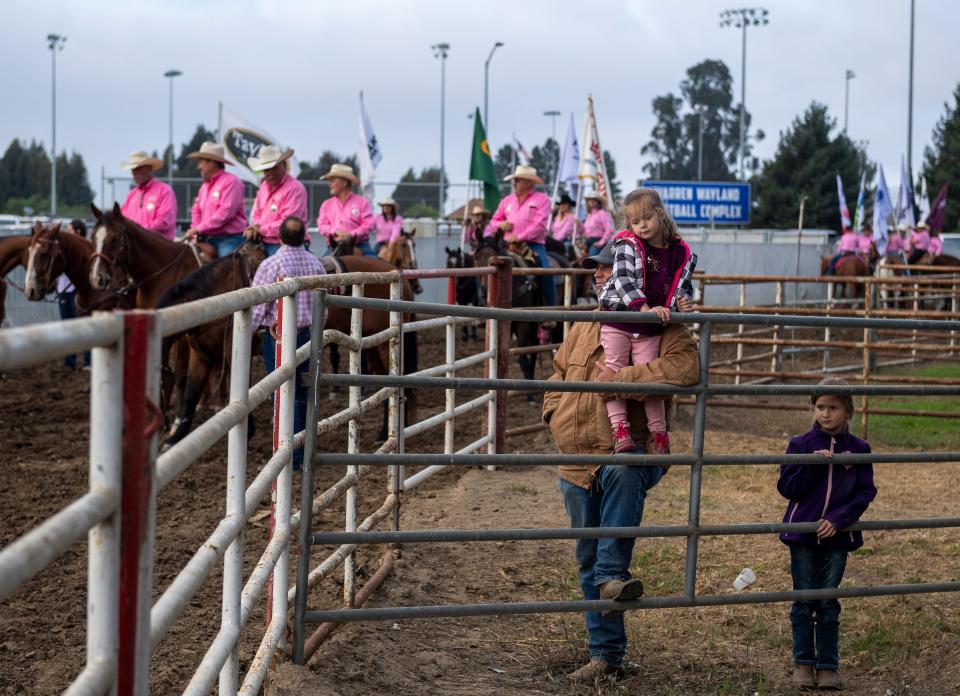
(692,531)
(127,472)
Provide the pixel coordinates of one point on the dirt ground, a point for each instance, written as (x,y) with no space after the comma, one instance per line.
(907,645)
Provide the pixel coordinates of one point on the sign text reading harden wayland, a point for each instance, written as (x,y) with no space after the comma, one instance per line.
(705,202)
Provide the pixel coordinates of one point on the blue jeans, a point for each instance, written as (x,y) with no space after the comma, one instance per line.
(67,304)
(615,500)
(548,284)
(816,567)
(301,392)
(226,244)
(365,248)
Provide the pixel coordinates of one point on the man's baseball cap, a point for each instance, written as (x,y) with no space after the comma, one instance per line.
(604,258)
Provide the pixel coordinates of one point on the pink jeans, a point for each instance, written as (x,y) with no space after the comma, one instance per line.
(622,348)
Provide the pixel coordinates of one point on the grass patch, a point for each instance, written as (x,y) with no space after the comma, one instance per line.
(917,432)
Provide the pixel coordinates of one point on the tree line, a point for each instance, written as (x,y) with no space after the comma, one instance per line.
(25,180)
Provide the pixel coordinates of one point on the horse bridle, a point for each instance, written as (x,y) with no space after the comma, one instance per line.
(46,281)
(121,248)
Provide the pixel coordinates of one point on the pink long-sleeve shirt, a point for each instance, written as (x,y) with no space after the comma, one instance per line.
(529,217)
(273,205)
(935,248)
(864,245)
(152,206)
(388,230)
(562,228)
(895,244)
(353,215)
(848,243)
(218,210)
(919,239)
(598,225)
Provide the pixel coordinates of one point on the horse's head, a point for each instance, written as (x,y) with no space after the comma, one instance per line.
(454,257)
(108,235)
(405,256)
(44,261)
(252,254)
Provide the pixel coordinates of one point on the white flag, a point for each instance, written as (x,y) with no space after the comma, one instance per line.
(882,209)
(859,216)
(923,200)
(368,154)
(905,199)
(242,140)
(592,166)
(845,223)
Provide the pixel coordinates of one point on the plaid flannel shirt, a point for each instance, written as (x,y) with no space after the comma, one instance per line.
(286,263)
(624,289)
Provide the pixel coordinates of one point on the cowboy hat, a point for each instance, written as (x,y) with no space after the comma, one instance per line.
(210,151)
(922,225)
(565,198)
(595,195)
(901,227)
(524,172)
(341,171)
(479,210)
(139,158)
(387,201)
(269,157)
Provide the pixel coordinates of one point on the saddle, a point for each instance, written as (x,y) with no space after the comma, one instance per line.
(334,265)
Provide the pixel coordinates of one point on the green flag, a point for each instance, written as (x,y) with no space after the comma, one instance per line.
(481,165)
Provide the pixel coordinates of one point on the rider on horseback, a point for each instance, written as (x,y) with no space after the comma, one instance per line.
(218,216)
(918,242)
(849,244)
(523,216)
(280,196)
(345,215)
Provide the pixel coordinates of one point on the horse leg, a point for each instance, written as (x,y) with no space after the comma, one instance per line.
(196,383)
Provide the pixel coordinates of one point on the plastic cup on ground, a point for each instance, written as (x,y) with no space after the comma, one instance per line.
(746,578)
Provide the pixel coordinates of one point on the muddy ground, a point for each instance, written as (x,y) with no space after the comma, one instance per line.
(890,645)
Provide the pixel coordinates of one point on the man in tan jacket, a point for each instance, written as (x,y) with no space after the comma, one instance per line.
(608,495)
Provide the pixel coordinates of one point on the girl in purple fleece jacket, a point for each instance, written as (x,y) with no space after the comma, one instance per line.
(835,495)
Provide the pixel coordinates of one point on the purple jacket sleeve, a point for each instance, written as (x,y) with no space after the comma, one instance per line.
(864,493)
(797,480)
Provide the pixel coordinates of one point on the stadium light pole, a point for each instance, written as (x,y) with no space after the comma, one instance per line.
(486,86)
(846,98)
(440,51)
(700,110)
(54,43)
(171,74)
(910,100)
(741,19)
(553,122)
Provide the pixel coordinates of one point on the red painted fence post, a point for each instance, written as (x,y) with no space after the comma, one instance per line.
(141,421)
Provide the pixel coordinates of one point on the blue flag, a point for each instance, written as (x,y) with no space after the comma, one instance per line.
(882,209)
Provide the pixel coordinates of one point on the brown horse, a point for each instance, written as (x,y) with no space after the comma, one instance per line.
(152,262)
(12,254)
(526,293)
(207,348)
(53,252)
(402,253)
(850,266)
(377,359)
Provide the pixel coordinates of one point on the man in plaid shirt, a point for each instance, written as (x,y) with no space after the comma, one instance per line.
(291,259)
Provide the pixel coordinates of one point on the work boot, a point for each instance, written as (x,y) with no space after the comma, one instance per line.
(594,670)
(828,679)
(620,591)
(658,443)
(803,676)
(623,439)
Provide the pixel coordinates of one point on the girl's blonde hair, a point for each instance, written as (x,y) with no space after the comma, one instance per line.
(823,389)
(647,197)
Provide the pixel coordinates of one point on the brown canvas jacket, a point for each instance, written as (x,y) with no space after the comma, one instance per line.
(579,422)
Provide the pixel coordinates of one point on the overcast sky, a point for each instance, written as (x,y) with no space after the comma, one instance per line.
(295,68)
